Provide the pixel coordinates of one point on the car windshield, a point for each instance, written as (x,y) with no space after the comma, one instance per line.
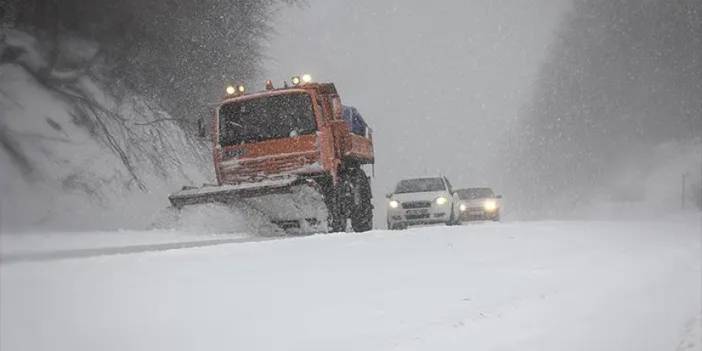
(477,193)
(420,185)
(271,117)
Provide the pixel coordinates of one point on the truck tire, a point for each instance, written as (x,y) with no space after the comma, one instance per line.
(362,210)
(336,221)
(397,226)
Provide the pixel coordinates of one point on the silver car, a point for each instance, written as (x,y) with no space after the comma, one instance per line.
(421,201)
(477,204)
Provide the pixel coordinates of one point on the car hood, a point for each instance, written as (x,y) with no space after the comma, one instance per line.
(423,196)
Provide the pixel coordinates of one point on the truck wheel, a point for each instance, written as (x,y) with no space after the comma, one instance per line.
(336,222)
(397,226)
(362,210)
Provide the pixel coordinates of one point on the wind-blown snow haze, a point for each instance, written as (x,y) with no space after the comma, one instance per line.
(351,175)
(555,104)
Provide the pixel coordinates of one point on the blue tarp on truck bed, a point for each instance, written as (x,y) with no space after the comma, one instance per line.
(354,120)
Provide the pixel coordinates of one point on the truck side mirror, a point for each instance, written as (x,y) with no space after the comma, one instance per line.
(388,195)
(201,130)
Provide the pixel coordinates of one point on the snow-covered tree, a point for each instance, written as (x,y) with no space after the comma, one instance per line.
(179,52)
(622,78)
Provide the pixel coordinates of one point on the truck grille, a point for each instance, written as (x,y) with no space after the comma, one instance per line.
(416,204)
(259,168)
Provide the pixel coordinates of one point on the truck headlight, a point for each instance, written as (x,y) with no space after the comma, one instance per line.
(441,201)
(393,204)
(490,205)
(462,207)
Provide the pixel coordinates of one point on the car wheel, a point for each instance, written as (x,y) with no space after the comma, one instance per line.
(452,219)
(496,218)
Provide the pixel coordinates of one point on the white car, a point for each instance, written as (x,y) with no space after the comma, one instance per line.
(421,201)
(477,204)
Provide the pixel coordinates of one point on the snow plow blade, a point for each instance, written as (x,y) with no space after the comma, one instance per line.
(228,193)
(293,204)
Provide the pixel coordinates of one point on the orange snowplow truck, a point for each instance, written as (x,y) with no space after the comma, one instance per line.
(293,153)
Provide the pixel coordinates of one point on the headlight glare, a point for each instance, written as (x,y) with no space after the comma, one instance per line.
(490,205)
(441,201)
(462,207)
(394,204)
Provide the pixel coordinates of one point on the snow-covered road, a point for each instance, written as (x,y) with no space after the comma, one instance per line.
(511,286)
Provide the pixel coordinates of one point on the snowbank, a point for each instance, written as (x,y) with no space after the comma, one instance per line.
(79,152)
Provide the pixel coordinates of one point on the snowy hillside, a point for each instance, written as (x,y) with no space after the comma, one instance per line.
(78,151)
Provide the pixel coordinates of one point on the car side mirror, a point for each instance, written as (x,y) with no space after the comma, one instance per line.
(201,130)
(388,195)
(498,196)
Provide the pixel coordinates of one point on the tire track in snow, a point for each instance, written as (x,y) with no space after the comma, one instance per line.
(692,340)
(121,250)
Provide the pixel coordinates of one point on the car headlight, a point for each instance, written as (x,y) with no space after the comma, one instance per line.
(441,201)
(490,205)
(393,204)
(463,207)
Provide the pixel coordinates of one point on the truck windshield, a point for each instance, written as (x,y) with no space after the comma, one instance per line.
(420,185)
(270,117)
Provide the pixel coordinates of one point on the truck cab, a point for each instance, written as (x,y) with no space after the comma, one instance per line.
(300,130)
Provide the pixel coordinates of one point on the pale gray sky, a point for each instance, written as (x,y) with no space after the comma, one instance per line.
(439,82)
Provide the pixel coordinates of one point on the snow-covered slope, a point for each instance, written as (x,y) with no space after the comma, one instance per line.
(79,152)
(520,286)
